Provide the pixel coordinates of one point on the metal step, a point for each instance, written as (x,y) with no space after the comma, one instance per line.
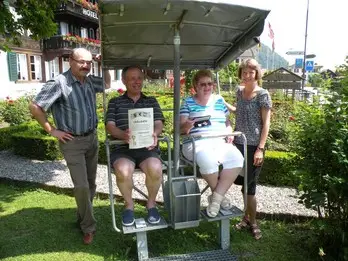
(148,227)
(215,255)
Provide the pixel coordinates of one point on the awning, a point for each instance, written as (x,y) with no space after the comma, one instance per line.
(212,33)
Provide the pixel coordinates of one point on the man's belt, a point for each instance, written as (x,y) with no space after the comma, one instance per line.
(84,134)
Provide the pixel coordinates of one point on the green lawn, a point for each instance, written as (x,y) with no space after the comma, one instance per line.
(36,224)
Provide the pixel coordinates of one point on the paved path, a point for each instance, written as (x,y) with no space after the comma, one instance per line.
(271,200)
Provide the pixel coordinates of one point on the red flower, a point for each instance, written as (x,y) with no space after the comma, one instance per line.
(10,101)
(291,118)
(120,91)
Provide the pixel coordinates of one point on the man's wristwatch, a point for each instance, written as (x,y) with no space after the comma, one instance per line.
(261,149)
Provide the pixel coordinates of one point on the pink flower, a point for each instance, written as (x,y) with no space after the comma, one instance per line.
(291,118)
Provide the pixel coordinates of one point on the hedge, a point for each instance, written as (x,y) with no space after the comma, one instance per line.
(278,169)
(29,140)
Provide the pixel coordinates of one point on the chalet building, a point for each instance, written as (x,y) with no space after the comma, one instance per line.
(33,63)
(77,27)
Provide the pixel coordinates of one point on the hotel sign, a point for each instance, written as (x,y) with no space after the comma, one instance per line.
(89,13)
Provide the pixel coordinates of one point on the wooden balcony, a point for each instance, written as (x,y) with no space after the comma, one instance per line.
(58,46)
(73,11)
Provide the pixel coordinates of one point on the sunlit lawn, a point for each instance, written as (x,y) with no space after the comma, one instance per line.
(37,224)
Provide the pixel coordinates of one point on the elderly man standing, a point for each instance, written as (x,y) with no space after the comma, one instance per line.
(71,97)
(123,159)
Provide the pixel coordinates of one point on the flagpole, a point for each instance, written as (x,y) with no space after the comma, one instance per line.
(267,59)
(304,51)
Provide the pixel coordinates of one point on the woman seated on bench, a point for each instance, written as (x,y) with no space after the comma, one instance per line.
(206,114)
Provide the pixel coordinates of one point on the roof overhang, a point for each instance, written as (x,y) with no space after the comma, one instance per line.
(212,33)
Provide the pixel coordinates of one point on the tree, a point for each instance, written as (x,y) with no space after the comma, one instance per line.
(37,16)
(229,74)
(315,80)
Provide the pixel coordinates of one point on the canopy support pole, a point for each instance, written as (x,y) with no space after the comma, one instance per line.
(176,102)
(217,81)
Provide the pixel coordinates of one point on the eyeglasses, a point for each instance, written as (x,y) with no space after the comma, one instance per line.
(82,61)
(204,84)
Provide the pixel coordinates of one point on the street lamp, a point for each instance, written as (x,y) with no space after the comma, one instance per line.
(304,51)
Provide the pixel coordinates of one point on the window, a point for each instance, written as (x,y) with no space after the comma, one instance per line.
(95,70)
(35,68)
(73,29)
(64,28)
(53,67)
(91,33)
(84,32)
(22,67)
(65,64)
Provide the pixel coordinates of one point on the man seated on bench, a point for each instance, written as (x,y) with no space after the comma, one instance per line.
(125,160)
(205,113)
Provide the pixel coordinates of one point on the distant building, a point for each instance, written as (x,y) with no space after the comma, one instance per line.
(317,69)
(328,74)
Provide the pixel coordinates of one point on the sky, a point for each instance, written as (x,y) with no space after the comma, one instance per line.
(327,35)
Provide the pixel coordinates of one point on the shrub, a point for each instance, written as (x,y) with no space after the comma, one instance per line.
(16,112)
(5,135)
(278,169)
(281,116)
(39,147)
(321,142)
(31,141)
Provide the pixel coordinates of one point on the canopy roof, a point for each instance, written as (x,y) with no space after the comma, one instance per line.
(212,33)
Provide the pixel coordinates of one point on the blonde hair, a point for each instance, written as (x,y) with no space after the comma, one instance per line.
(251,64)
(200,74)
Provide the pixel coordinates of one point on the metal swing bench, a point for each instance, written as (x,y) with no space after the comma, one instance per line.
(175,35)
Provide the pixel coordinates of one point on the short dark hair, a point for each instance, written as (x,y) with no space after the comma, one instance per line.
(127,68)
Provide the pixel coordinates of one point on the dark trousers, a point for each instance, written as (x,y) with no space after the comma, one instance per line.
(81,156)
(253,171)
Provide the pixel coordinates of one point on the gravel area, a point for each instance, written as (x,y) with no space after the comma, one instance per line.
(271,200)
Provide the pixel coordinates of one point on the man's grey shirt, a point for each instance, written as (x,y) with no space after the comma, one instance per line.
(73,104)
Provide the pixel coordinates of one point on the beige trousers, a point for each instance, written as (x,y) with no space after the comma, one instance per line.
(81,156)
